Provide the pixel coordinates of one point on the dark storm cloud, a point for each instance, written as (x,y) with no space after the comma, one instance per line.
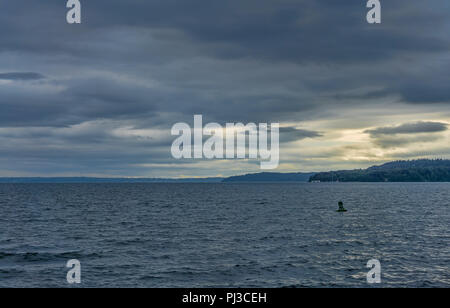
(283,30)
(387,141)
(21,76)
(405,134)
(410,128)
(428,89)
(287,30)
(290,134)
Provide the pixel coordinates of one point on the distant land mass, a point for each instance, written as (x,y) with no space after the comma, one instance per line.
(107,180)
(422,170)
(271,177)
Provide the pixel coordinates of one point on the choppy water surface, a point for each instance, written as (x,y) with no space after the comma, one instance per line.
(224,235)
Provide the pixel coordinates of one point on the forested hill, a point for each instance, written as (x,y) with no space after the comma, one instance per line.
(423,170)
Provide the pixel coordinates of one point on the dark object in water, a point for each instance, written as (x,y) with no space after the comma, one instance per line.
(341,207)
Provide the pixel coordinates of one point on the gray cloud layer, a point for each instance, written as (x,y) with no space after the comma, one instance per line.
(20,76)
(290,134)
(146,65)
(408,133)
(410,128)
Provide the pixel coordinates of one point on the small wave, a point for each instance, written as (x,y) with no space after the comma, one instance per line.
(10,271)
(46,256)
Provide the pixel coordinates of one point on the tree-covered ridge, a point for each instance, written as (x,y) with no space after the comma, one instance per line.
(422,170)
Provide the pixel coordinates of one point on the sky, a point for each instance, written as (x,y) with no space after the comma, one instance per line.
(99,98)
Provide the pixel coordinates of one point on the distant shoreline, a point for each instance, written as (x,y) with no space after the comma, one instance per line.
(199,181)
(414,171)
(93,180)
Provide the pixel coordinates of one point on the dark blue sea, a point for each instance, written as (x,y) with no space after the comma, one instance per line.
(225,235)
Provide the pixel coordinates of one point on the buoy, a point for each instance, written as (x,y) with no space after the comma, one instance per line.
(341,207)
